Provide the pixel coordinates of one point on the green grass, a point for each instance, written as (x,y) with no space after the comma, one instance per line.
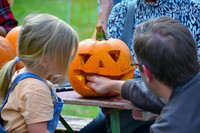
(80,110)
(82,17)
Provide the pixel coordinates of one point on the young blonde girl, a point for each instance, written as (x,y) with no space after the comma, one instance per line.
(46,45)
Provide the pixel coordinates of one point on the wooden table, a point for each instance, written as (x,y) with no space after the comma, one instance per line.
(71,97)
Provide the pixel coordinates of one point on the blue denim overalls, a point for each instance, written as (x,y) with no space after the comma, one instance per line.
(58,103)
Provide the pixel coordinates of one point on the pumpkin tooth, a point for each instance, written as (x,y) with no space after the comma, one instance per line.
(80,77)
(126,76)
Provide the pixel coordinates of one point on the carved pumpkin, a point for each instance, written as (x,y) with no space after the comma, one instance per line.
(12,36)
(106,57)
(6,51)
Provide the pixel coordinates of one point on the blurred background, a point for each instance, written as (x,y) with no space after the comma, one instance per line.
(80,14)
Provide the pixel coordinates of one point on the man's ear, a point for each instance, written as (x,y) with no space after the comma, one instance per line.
(148,73)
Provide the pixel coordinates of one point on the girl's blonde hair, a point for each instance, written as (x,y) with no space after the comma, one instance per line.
(42,36)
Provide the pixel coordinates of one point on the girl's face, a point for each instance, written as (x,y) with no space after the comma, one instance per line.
(53,66)
(50,67)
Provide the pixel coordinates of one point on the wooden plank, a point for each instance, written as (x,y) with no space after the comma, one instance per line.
(71,97)
(76,123)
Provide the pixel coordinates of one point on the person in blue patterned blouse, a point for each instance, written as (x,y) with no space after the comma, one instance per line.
(186,11)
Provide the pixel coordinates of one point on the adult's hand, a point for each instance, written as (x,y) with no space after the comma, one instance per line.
(104,85)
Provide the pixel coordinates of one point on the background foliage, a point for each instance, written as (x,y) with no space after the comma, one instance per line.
(80,14)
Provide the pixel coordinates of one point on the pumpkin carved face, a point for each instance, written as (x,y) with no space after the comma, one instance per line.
(109,58)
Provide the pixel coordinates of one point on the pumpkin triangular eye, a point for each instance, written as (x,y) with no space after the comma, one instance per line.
(84,58)
(114,54)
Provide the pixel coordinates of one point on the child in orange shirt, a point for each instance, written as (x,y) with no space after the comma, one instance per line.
(46,45)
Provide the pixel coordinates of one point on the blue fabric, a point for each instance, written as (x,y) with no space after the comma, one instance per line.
(101,124)
(58,103)
(98,125)
(128,124)
(52,124)
(1,128)
(116,2)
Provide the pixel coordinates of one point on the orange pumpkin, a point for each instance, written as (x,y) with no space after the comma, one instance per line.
(106,57)
(12,36)
(6,51)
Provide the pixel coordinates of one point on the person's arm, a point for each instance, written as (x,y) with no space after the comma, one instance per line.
(7,19)
(36,103)
(3,32)
(105,9)
(134,91)
(40,127)
(138,93)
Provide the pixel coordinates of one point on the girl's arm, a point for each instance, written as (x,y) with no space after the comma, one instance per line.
(40,127)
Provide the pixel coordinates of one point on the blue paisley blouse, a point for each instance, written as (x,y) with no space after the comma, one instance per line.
(186,11)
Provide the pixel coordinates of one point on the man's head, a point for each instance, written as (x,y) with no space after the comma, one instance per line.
(167,49)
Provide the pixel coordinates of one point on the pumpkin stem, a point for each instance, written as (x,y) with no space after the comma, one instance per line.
(100,34)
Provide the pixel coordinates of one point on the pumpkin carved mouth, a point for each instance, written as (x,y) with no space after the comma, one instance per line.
(79,83)
(81,76)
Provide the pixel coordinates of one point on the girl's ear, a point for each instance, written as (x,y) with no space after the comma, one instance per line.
(43,62)
(148,73)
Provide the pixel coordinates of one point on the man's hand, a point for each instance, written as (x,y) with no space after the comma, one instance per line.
(104,85)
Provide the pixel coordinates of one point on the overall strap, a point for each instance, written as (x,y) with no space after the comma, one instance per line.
(17,80)
(129,21)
